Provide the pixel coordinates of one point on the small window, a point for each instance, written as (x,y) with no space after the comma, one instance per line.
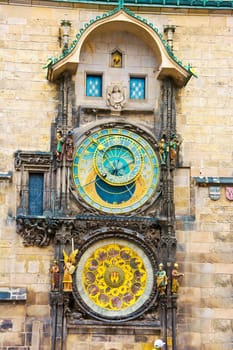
(35,195)
(93,85)
(137,88)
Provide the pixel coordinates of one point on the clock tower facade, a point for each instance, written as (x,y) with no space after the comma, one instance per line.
(110,212)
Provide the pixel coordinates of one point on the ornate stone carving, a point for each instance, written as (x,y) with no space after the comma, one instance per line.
(35,232)
(36,160)
(116,97)
(39,231)
(64,145)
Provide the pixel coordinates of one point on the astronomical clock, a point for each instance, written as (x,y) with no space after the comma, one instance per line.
(114,279)
(115,170)
(116,179)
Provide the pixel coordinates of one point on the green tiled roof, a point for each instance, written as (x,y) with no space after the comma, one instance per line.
(208,4)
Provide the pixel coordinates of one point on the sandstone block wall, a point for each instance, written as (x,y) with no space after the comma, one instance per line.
(28,105)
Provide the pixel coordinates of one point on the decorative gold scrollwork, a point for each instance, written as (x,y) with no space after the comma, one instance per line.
(114,277)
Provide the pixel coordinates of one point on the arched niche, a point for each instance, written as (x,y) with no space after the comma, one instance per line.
(168,65)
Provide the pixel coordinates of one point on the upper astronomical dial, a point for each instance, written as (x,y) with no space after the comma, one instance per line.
(118,160)
(115,170)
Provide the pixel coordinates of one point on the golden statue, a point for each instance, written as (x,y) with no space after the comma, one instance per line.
(69,268)
(175,278)
(116,59)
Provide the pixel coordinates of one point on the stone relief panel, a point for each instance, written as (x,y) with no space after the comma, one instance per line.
(100,58)
(116,98)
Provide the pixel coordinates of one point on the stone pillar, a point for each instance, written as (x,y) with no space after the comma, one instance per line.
(174,310)
(36,330)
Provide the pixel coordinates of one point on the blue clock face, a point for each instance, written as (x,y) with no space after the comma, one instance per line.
(118,160)
(115,170)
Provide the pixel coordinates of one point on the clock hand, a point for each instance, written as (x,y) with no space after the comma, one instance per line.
(117,170)
(95,180)
(128,189)
(127,164)
(111,163)
(89,183)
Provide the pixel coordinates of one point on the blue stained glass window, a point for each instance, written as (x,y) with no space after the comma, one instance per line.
(35,195)
(94,85)
(137,88)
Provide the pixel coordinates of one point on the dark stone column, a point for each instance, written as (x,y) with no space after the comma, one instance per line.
(168,240)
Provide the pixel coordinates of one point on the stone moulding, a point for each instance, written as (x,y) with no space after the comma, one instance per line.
(6,176)
(39,231)
(212,180)
(32,159)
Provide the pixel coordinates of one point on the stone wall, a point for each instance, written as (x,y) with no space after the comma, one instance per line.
(205,122)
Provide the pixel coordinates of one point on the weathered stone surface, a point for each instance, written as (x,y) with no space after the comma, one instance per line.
(38,310)
(204,120)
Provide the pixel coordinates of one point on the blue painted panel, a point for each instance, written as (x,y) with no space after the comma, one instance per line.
(94,85)
(137,88)
(35,195)
(114,194)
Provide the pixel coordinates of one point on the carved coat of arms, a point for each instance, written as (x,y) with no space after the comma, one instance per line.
(229,193)
(214,192)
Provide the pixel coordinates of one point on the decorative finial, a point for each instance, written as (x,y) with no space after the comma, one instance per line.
(170,30)
(121,4)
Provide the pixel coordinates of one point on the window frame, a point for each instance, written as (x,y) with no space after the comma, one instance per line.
(42,193)
(94,74)
(25,164)
(138,76)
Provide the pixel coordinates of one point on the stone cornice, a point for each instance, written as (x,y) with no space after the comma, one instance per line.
(32,159)
(6,176)
(213,180)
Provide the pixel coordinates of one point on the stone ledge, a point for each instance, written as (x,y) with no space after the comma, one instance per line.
(6,176)
(206,180)
(13,294)
(115,329)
